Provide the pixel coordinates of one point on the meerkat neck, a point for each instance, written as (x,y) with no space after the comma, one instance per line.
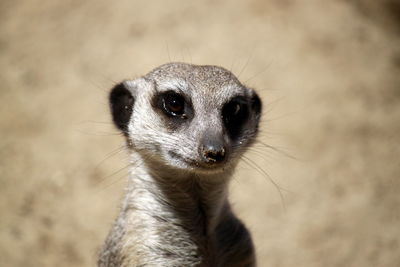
(195,201)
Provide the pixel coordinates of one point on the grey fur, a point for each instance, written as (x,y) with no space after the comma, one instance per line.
(175,211)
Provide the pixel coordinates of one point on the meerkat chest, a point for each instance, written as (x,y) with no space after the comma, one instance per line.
(160,237)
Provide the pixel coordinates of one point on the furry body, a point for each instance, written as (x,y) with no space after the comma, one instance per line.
(186,127)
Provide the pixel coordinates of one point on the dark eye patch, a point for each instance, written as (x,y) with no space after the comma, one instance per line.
(234,114)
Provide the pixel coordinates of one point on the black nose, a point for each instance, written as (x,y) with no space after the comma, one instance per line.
(213,151)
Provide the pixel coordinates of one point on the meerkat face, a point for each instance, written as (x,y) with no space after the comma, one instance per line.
(189,117)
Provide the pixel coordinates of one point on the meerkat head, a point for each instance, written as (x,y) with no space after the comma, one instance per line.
(194,118)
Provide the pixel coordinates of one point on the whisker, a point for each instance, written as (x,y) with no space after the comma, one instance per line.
(190,55)
(258,73)
(111,183)
(96,122)
(273,103)
(133,165)
(279,117)
(276,149)
(111,154)
(260,152)
(169,55)
(233,62)
(102,180)
(99,133)
(262,171)
(246,64)
(264,133)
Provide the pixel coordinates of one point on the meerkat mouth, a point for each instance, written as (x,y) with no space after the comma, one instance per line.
(198,164)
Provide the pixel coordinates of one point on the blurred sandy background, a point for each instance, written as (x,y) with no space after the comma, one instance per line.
(329,75)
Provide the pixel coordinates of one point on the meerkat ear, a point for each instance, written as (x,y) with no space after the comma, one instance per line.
(121,105)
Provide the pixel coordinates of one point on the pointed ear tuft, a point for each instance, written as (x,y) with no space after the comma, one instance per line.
(121,105)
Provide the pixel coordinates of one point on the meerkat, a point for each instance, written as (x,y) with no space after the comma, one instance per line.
(186,127)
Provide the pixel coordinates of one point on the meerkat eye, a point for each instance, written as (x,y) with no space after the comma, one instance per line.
(236,109)
(234,114)
(173,104)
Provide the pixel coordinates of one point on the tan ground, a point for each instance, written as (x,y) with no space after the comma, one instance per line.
(329,75)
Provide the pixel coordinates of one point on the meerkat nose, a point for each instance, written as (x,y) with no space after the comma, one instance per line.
(213,151)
